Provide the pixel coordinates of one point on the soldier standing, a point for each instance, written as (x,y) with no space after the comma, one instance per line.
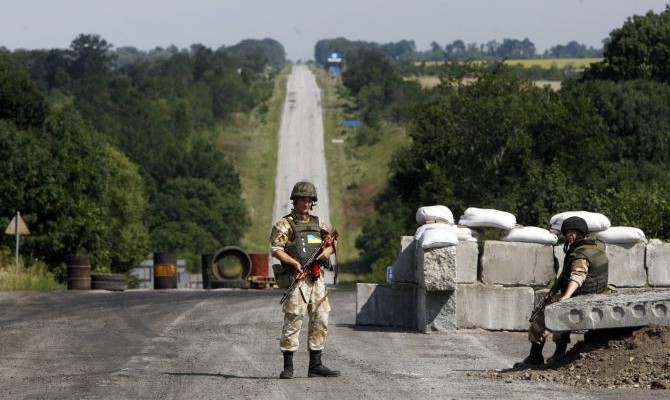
(293,239)
(585,271)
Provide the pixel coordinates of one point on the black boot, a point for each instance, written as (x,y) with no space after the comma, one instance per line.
(287,373)
(560,350)
(534,358)
(318,369)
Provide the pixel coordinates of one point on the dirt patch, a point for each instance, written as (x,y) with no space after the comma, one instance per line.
(615,358)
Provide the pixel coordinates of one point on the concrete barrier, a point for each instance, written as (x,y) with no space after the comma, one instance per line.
(437,267)
(517,263)
(493,307)
(603,311)
(467,256)
(657,263)
(392,305)
(439,313)
(626,264)
(404,266)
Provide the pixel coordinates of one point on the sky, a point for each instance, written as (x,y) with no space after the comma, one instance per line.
(299,24)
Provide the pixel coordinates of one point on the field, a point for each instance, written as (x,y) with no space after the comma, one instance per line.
(578,63)
(429,81)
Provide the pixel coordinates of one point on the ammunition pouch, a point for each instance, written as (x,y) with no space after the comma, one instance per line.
(283,275)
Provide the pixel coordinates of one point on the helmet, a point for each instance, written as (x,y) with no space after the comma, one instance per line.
(303,189)
(575,223)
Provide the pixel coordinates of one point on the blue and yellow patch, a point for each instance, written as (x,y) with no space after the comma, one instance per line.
(313,239)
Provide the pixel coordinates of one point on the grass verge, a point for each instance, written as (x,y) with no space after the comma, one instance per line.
(250,142)
(35,278)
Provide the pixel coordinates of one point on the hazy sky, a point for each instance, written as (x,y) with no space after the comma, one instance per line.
(298,24)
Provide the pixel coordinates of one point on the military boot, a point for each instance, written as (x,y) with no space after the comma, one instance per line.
(318,369)
(560,350)
(534,358)
(287,373)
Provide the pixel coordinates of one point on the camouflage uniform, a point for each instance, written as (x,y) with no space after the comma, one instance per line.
(310,296)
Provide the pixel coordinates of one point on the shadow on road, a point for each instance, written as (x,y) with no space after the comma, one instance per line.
(371,328)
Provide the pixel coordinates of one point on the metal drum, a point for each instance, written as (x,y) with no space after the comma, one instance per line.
(206,261)
(165,271)
(230,268)
(259,268)
(79,273)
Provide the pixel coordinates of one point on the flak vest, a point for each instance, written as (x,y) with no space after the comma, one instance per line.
(307,238)
(596,278)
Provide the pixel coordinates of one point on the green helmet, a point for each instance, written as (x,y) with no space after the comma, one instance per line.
(303,189)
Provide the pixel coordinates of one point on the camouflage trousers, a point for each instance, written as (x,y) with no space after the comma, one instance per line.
(310,297)
(538,332)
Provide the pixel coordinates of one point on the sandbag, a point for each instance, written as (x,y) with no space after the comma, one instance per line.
(423,228)
(621,234)
(429,214)
(433,238)
(483,217)
(466,234)
(529,234)
(595,221)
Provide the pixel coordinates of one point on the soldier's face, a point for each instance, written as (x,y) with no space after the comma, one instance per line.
(571,235)
(302,205)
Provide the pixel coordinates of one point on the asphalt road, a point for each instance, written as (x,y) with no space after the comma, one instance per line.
(223,344)
(301,154)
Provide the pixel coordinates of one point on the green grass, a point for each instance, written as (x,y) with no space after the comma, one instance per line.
(250,142)
(35,278)
(356,173)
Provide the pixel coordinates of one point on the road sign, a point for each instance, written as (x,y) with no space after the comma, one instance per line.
(23,228)
(335,57)
(351,123)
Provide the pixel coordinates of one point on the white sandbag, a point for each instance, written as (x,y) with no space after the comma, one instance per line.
(429,214)
(529,234)
(621,234)
(483,217)
(438,225)
(466,234)
(595,221)
(432,238)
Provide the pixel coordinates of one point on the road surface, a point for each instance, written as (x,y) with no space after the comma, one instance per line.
(301,155)
(223,344)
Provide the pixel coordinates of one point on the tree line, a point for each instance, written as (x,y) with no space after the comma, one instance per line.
(405,50)
(495,140)
(112,152)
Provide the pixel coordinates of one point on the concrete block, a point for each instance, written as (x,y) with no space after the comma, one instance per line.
(493,307)
(626,264)
(603,311)
(467,255)
(404,266)
(440,311)
(657,263)
(517,263)
(436,267)
(559,256)
(390,305)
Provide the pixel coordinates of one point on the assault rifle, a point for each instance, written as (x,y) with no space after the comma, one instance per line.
(326,242)
(543,303)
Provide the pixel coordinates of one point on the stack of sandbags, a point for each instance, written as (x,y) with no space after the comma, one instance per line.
(487,218)
(436,228)
(595,221)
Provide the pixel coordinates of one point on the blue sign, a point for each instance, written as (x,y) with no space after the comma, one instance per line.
(351,123)
(335,57)
(334,70)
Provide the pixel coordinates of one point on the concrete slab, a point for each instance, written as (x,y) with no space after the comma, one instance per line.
(436,267)
(440,311)
(390,305)
(493,307)
(404,266)
(657,263)
(516,263)
(467,256)
(603,311)
(626,264)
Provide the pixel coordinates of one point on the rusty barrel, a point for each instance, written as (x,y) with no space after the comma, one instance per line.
(165,271)
(79,273)
(259,267)
(206,261)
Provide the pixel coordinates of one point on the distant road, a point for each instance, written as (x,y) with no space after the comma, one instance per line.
(301,150)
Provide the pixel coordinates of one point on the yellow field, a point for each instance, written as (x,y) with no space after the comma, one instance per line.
(430,81)
(546,63)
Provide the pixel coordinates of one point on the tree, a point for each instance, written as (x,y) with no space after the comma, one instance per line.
(20,102)
(640,49)
(89,55)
